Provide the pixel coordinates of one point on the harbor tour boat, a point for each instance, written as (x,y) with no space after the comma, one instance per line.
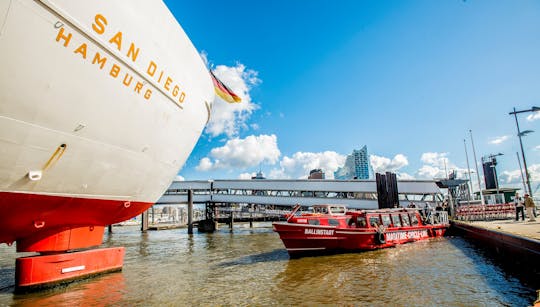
(334,229)
(101,103)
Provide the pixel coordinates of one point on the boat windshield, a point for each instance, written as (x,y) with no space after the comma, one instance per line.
(414,219)
(405,219)
(395,220)
(386,220)
(361,222)
(374,221)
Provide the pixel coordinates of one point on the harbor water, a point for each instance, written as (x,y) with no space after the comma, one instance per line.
(249,266)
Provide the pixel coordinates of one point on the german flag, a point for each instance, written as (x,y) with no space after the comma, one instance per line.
(223,91)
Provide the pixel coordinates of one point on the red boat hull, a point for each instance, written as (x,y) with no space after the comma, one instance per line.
(302,239)
(332,229)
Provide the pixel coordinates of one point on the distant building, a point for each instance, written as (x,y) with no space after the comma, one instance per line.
(356,166)
(259,175)
(316,174)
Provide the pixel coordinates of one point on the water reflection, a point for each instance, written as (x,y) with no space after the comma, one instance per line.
(107,288)
(251,267)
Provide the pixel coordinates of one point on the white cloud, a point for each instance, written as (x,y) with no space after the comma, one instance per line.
(434,158)
(242,153)
(536,148)
(499,139)
(246,175)
(179,178)
(513,178)
(299,165)
(430,172)
(437,165)
(383,164)
(229,118)
(534,116)
(204,165)
(404,176)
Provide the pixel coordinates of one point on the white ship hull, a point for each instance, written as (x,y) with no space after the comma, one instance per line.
(75,126)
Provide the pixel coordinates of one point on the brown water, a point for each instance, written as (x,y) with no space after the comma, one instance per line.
(251,267)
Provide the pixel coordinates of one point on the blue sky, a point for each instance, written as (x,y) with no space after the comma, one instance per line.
(406,78)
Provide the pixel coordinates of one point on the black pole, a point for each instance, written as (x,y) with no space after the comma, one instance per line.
(523,152)
(190,211)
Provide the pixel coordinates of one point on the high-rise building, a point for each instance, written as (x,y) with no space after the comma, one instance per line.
(356,166)
(316,174)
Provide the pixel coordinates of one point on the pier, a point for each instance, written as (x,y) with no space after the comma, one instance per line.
(515,244)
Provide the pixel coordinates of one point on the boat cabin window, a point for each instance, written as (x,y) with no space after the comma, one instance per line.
(361,222)
(386,220)
(405,220)
(374,221)
(319,210)
(313,222)
(333,222)
(414,219)
(396,221)
(337,210)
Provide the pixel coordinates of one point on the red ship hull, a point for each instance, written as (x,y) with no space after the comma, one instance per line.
(58,228)
(33,217)
(310,234)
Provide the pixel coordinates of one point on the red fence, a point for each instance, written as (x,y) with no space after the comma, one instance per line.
(485,212)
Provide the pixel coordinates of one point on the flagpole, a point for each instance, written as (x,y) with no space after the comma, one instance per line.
(477,173)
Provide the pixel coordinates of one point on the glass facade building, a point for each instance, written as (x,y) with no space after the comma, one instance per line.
(356,166)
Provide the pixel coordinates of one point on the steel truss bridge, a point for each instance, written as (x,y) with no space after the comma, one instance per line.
(276,194)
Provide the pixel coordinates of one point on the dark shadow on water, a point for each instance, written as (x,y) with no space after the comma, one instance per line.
(275,255)
(494,267)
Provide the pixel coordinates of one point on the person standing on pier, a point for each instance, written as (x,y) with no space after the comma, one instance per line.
(529,204)
(518,202)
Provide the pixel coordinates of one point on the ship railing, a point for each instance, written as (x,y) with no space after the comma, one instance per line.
(485,212)
(436,217)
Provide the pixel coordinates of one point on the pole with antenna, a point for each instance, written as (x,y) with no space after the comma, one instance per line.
(521,173)
(477,173)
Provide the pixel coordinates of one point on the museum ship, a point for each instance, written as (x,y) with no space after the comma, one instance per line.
(101,103)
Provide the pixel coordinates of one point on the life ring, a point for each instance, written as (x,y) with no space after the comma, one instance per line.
(380,237)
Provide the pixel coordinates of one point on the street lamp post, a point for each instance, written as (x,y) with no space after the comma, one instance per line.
(527,177)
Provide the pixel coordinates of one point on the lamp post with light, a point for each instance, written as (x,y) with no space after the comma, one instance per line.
(520,134)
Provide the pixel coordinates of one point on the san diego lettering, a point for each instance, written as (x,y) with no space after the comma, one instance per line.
(114,69)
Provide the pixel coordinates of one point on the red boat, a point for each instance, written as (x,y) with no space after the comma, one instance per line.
(334,229)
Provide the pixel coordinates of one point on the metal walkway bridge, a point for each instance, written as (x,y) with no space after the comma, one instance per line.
(358,194)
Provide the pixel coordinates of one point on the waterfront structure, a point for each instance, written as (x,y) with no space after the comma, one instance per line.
(356,166)
(356,194)
(316,174)
(98,112)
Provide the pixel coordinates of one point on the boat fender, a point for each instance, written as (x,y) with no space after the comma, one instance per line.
(380,237)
